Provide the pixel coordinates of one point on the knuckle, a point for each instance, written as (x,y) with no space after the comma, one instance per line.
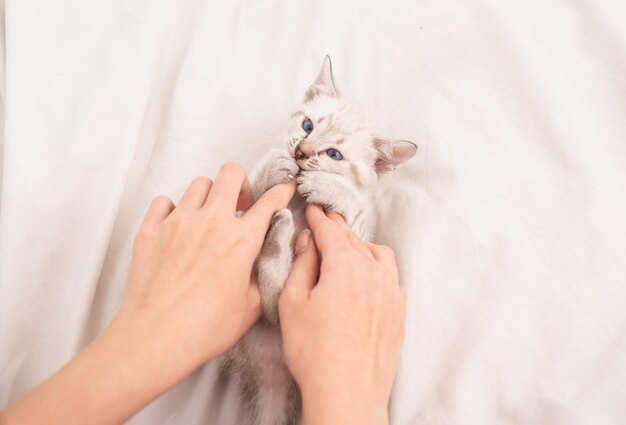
(143,238)
(384,250)
(387,251)
(212,224)
(175,224)
(237,243)
(142,235)
(378,274)
(241,242)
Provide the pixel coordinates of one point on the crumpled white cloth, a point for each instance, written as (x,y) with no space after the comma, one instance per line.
(509,225)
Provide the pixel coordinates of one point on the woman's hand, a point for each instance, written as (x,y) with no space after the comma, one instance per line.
(190,297)
(342,323)
(190,279)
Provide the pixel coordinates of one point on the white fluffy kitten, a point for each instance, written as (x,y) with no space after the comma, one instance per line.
(337,160)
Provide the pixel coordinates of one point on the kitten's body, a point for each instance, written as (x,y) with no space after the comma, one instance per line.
(341,183)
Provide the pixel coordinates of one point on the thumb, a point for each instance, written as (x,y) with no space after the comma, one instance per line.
(305,270)
(253,305)
(254,301)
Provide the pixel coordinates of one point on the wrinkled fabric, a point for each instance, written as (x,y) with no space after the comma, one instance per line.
(509,225)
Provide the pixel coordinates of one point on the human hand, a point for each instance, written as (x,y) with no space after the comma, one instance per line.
(189,298)
(342,326)
(189,285)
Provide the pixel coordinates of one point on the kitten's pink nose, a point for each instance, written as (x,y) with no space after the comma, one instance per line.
(304,150)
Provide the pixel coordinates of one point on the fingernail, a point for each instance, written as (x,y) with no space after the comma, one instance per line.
(303,241)
(290,176)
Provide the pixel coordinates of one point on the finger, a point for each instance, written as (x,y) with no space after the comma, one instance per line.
(357,243)
(316,218)
(159,209)
(305,270)
(259,215)
(231,179)
(254,301)
(360,246)
(196,193)
(328,234)
(341,222)
(385,256)
(245,196)
(337,218)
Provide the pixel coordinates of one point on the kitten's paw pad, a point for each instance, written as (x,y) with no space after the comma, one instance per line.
(282,216)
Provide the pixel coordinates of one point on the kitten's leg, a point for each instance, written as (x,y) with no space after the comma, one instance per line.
(259,353)
(269,395)
(277,166)
(238,364)
(274,262)
(279,405)
(337,194)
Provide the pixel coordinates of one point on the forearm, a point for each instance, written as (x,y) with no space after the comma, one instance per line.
(109,381)
(189,299)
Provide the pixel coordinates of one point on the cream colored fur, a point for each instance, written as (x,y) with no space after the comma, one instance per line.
(269,394)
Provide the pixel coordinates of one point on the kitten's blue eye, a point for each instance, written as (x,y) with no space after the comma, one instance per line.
(334,154)
(307,125)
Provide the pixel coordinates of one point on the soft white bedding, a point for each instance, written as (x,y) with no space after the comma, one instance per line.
(510,224)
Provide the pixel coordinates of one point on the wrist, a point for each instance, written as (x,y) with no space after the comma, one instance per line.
(110,380)
(343,407)
(152,347)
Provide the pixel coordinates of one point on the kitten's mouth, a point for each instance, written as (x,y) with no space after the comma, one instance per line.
(304,161)
(301,165)
(300,160)
(299,155)
(305,165)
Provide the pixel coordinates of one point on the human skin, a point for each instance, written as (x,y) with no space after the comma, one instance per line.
(342,318)
(191,268)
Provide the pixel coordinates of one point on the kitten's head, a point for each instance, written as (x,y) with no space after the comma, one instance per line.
(329,134)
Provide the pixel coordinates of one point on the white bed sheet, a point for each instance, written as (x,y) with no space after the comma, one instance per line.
(509,225)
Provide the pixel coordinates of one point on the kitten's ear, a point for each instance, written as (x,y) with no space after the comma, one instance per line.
(324,83)
(392,153)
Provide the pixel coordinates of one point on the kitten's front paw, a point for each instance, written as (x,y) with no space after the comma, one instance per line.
(318,188)
(333,192)
(277,167)
(281,217)
(286,168)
